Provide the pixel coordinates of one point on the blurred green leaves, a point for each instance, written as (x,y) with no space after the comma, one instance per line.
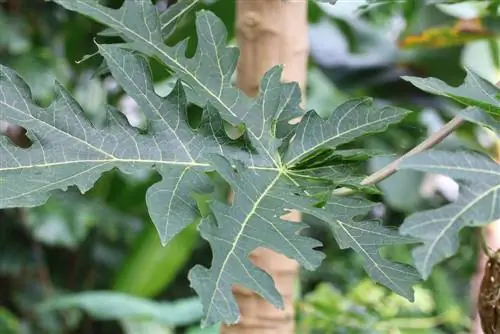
(367,308)
(9,324)
(131,311)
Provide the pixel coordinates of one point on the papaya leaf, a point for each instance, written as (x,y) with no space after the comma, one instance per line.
(68,139)
(139,23)
(478,116)
(478,203)
(474,92)
(348,121)
(265,167)
(366,238)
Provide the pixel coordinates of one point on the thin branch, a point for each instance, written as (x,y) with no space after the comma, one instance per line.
(391,168)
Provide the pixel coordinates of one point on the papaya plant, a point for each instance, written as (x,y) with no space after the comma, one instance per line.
(272,165)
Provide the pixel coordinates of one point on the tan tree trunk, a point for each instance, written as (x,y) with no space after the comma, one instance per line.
(492,239)
(270,32)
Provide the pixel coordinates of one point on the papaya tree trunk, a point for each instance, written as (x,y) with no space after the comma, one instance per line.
(492,239)
(270,32)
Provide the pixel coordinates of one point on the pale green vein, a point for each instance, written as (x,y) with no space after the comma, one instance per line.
(174,192)
(178,15)
(238,236)
(136,161)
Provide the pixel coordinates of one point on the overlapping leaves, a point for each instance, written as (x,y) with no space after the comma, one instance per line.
(270,169)
(478,203)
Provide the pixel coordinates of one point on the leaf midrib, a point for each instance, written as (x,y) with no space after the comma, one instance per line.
(66,134)
(465,169)
(98,150)
(175,17)
(238,236)
(51,184)
(135,161)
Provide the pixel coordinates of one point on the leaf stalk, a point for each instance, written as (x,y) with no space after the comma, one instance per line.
(391,168)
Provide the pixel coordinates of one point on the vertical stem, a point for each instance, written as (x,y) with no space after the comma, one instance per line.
(270,32)
(491,239)
(491,234)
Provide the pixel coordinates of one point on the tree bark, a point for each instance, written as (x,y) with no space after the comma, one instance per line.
(270,32)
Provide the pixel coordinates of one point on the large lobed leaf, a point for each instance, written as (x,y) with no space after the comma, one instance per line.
(270,168)
(68,150)
(478,203)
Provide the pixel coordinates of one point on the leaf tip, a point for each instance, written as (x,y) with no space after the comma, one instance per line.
(409,78)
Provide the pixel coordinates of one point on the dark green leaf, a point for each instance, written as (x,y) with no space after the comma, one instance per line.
(259,166)
(477,204)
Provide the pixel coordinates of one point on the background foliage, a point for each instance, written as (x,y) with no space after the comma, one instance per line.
(78,263)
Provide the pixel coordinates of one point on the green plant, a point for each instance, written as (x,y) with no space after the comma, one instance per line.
(272,166)
(368,308)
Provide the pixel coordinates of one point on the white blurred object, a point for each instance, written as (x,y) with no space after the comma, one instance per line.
(130,109)
(465,10)
(342,8)
(111,85)
(327,44)
(379,211)
(485,137)
(439,184)
(431,119)
(3,126)
(433,184)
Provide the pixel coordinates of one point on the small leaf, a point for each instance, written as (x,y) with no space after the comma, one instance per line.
(477,115)
(477,204)
(475,91)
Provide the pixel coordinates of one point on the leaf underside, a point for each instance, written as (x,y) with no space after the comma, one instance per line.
(265,167)
(475,91)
